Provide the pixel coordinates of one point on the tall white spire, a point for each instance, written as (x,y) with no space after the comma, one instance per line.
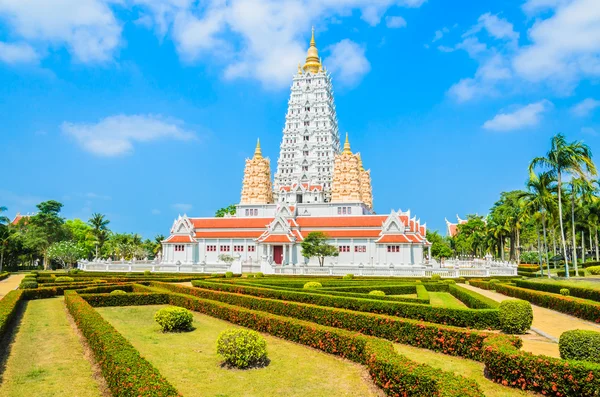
(310,135)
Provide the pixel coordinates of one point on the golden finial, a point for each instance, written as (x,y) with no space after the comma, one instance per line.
(257,151)
(313,63)
(360,164)
(299,68)
(347,145)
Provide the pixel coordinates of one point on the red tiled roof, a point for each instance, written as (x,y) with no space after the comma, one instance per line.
(225,223)
(179,239)
(393,238)
(234,234)
(276,238)
(346,233)
(452,230)
(342,221)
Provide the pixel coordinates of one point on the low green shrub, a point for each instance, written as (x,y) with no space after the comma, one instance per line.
(147,273)
(593,270)
(249,275)
(242,348)
(449,282)
(581,345)
(215,275)
(565,292)
(436,277)
(26,284)
(563,273)
(174,319)
(8,308)
(417,281)
(64,279)
(472,299)
(556,287)
(129,274)
(259,275)
(377,293)
(74,271)
(312,284)
(117,292)
(515,316)
(348,277)
(467,282)
(228,274)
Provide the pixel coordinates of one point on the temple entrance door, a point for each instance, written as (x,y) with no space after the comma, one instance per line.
(299,198)
(278,254)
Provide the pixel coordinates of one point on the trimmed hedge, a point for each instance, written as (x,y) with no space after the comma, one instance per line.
(555,287)
(516,316)
(479,319)
(132,299)
(563,273)
(422,293)
(593,270)
(4,275)
(126,372)
(8,308)
(581,345)
(441,338)
(585,309)
(472,299)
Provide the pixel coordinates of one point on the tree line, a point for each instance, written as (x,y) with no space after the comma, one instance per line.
(553,219)
(47,239)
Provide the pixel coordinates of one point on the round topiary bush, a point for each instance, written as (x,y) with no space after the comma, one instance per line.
(593,270)
(26,284)
(174,319)
(436,277)
(578,344)
(565,292)
(118,292)
(147,273)
(515,316)
(348,277)
(467,282)
(229,275)
(259,275)
(377,293)
(64,279)
(242,348)
(312,285)
(418,281)
(249,275)
(449,282)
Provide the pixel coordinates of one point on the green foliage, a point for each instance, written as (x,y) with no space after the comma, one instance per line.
(593,270)
(8,308)
(228,274)
(348,277)
(26,284)
(64,279)
(117,292)
(174,319)
(259,275)
(377,293)
(66,253)
(230,210)
(147,273)
(555,287)
(312,284)
(515,316)
(580,345)
(74,271)
(242,348)
(436,277)
(472,299)
(471,236)
(565,292)
(315,245)
(449,282)
(249,275)
(440,246)
(227,259)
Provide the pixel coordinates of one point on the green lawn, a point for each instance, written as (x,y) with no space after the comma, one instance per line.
(460,366)
(578,282)
(46,358)
(445,299)
(189,361)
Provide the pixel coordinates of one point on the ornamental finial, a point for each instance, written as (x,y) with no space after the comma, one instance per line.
(313,63)
(257,151)
(347,145)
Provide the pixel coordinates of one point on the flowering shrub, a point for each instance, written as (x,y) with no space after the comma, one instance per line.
(516,316)
(126,372)
(555,288)
(174,319)
(242,348)
(312,284)
(377,293)
(578,344)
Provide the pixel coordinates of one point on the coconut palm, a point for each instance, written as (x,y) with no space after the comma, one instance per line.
(564,158)
(99,225)
(585,190)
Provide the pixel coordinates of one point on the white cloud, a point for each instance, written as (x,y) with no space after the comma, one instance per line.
(444,48)
(395,22)
(491,72)
(116,135)
(17,53)
(526,116)
(183,207)
(565,47)
(585,107)
(472,46)
(87,28)
(496,27)
(439,34)
(534,6)
(348,62)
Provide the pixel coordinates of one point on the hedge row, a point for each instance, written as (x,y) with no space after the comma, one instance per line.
(126,372)
(394,373)
(563,273)
(549,376)
(585,309)
(8,308)
(131,299)
(4,275)
(440,338)
(49,292)
(554,287)
(479,319)
(471,298)
(422,294)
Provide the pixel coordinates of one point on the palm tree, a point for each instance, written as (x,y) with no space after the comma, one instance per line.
(585,189)
(99,225)
(563,158)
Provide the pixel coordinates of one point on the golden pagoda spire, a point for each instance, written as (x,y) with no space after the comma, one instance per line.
(257,151)
(313,63)
(347,145)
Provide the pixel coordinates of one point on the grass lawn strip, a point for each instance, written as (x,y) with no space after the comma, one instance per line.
(46,357)
(461,366)
(445,299)
(295,370)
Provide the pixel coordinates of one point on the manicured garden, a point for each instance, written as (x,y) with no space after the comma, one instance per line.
(371,336)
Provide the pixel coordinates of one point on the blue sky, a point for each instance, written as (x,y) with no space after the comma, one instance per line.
(144,109)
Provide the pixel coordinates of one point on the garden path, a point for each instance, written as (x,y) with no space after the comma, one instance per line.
(10,283)
(547,325)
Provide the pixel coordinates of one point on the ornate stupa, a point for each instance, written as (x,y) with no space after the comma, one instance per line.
(351,183)
(256,188)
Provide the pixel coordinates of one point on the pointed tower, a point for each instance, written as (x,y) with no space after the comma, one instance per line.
(256,188)
(366,190)
(310,135)
(346,185)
